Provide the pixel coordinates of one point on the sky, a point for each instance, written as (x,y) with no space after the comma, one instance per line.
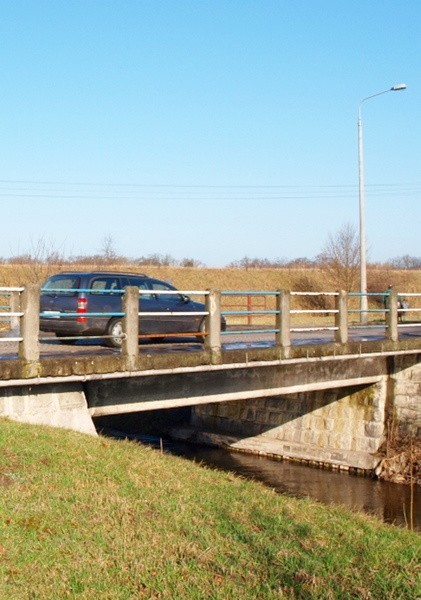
(208,129)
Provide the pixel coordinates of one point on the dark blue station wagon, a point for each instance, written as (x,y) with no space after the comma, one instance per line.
(81,294)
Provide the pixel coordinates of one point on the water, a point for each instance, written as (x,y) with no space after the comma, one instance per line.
(389,502)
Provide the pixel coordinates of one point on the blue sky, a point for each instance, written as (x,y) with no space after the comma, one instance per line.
(206,128)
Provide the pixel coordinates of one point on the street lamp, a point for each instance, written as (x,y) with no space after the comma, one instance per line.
(363,251)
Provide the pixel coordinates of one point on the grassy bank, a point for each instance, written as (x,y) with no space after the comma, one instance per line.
(95,518)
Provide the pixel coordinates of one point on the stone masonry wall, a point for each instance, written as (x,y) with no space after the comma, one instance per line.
(343,427)
(354,422)
(406,406)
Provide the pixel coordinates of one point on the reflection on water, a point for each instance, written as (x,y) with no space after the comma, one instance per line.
(389,502)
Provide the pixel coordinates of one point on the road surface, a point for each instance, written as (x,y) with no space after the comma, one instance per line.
(50,346)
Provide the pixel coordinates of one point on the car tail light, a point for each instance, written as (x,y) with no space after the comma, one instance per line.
(82,307)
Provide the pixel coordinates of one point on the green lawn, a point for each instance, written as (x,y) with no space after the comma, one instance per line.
(85,517)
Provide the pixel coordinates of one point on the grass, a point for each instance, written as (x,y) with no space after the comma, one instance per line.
(85,517)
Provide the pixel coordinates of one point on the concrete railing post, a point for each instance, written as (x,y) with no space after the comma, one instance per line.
(392,316)
(29,325)
(341,317)
(213,325)
(14,307)
(130,343)
(283,338)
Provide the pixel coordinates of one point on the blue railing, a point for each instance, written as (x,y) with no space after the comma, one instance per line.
(268,318)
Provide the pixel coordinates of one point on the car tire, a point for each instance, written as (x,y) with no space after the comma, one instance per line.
(65,342)
(202,329)
(114,329)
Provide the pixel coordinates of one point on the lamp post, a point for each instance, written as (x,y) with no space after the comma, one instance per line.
(361,190)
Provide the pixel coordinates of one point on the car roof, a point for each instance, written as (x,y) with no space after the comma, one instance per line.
(95,273)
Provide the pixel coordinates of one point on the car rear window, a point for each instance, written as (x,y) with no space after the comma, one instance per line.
(63,285)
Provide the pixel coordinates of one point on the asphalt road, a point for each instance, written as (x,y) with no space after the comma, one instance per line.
(50,346)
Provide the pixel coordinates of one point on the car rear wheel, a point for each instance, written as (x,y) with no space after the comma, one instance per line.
(115,330)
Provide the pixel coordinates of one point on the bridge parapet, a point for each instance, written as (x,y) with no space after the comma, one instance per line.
(25,307)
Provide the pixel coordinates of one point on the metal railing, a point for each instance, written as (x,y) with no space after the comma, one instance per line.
(277,317)
(249,312)
(85,314)
(10,312)
(385,301)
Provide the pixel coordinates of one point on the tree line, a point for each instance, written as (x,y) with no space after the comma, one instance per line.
(339,260)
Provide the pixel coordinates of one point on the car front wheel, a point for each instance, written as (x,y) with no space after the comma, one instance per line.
(201,337)
(67,341)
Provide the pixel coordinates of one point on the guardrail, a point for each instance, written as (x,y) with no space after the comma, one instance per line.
(82,314)
(10,312)
(277,317)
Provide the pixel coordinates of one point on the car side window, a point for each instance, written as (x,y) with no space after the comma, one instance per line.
(142,284)
(61,286)
(102,285)
(172,298)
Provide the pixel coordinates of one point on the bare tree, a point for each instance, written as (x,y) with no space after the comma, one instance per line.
(108,250)
(340,258)
(39,262)
(190,262)
(406,262)
(156,260)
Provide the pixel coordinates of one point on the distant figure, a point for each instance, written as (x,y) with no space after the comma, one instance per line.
(386,295)
(403,305)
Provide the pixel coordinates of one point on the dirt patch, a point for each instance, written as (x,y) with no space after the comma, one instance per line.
(5,480)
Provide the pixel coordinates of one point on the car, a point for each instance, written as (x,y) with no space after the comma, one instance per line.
(72,304)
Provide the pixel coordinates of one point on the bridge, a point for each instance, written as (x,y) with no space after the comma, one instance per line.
(325,392)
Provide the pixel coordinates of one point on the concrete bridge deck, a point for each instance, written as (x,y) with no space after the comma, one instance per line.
(88,360)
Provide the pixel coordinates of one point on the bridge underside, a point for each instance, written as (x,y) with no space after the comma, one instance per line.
(197,386)
(332,409)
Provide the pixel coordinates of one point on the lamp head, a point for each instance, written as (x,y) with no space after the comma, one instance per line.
(397,88)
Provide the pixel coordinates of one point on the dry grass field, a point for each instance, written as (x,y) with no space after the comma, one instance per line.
(239,279)
(200,278)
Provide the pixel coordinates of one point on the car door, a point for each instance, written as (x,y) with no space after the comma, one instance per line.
(172,303)
(105,297)
(147,304)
